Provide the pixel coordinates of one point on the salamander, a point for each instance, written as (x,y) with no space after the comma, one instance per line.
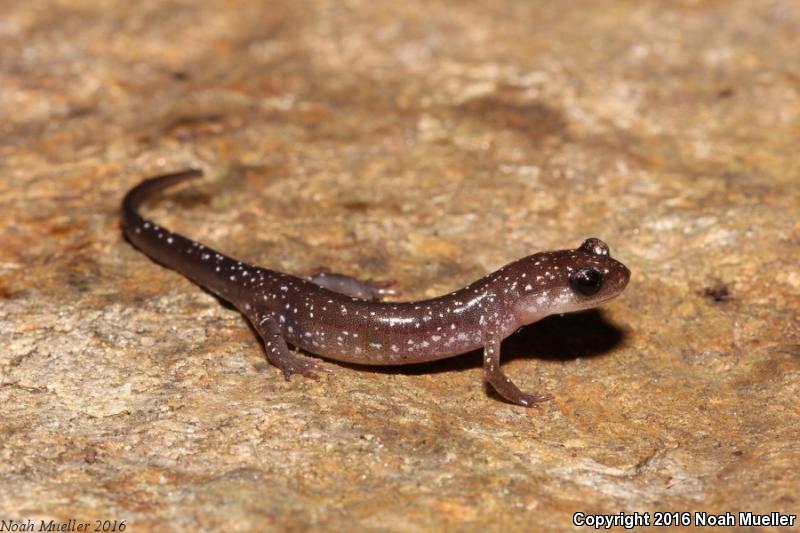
(341,318)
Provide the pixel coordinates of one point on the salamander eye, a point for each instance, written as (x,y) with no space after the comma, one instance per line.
(594,246)
(586,281)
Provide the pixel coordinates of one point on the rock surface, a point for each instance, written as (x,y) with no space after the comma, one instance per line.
(426,142)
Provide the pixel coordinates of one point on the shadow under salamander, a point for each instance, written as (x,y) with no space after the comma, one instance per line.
(584,334)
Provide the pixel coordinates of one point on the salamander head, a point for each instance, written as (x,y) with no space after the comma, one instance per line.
(568,280)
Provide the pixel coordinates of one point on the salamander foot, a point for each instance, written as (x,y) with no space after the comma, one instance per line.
(294,364)
(501,383)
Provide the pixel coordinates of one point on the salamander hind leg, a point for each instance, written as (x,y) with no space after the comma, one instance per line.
(501,383)
(344,284)
(278,352)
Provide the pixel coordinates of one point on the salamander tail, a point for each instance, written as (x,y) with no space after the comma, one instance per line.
(150,186)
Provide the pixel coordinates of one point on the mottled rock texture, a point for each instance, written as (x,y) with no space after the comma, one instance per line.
(427,142)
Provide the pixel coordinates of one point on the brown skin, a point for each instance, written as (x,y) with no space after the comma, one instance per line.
(336,324)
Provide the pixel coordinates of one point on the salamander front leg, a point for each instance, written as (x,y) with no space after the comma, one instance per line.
(364,289)
(501,383)
(278,352)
